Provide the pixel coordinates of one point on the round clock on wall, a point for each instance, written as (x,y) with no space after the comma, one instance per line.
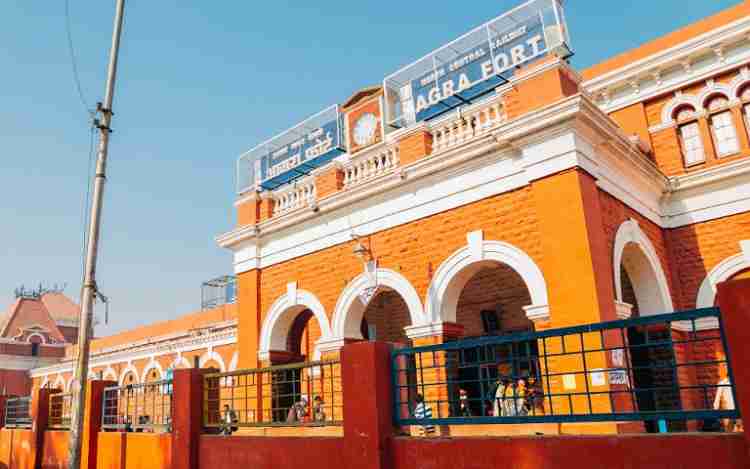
(365,128)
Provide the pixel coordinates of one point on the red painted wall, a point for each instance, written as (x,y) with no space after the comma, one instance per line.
(683,451)
(217,452)
(15,382)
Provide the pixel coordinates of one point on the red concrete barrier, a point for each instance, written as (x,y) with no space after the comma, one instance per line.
(247,452)
(733,299)
(684,451)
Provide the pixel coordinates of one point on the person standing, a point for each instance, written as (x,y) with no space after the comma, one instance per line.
(463,403)
(319,413)
(724,399)
(298,411)
(423,411)
(228,421)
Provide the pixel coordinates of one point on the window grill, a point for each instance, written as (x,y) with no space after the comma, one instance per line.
(303,394)
(143,407)
(661,370)
(18,412)
(60,406)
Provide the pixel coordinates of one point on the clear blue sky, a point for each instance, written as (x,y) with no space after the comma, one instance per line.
(200,83)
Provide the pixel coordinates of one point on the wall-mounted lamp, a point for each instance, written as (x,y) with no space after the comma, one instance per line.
(360,250)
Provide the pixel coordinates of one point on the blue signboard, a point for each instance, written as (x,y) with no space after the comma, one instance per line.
(301,155)
(478,70)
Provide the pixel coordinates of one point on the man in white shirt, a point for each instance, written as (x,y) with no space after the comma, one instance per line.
(724,399)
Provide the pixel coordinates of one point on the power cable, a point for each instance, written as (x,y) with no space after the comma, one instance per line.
(74,63)
(87,201)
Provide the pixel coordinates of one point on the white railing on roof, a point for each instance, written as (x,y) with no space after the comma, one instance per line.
(294,196)
(370,164)
(465,124)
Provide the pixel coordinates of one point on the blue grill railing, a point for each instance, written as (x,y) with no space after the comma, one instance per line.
(662,370)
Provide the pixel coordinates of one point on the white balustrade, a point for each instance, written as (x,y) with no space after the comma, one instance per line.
(296,195)
(369,165)
(470,123)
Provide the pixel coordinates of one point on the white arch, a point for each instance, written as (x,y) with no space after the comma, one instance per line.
(36,334)
(278,321)
(644,269)
(180,361)
(45,381)
(453,274)
(713,88)
(212,355)
(128,369)
(152,365)
(59,383)
(233,361)
(667,112)
(722,271)
(68,383)
(350,310)
(109,374)
(738,82)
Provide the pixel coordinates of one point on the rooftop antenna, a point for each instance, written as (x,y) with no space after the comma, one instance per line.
(89,289)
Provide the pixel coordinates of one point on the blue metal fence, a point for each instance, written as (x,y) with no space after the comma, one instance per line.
(662,370)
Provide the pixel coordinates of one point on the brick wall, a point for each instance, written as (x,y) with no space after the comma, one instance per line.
(696,249)
(415,250)
(498,288)
(388,313)
(614,213)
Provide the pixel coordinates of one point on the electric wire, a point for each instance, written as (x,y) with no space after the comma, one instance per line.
(85,212)
(74,62)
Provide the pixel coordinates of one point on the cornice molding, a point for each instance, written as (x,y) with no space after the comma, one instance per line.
(680,56)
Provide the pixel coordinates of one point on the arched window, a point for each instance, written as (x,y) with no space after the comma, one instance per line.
(722,126)
(690,136)
(744,96)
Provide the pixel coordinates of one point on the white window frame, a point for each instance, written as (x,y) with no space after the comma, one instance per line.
(697,153)
(724,143)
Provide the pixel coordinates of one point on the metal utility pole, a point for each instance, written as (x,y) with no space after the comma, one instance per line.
(89,290)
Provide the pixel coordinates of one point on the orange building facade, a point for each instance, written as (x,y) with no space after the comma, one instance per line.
(560,198)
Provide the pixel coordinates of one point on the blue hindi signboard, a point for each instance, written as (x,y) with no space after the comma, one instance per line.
(478,70)
(300,156)
(293,153)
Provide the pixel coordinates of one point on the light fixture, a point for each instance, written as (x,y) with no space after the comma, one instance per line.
(360,250)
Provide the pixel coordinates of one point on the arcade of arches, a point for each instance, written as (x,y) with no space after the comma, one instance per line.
(490,302)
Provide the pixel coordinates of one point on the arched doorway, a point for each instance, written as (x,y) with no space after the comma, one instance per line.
(386,317)
(290,332)
(487,288)
(491,303)
(642,287)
